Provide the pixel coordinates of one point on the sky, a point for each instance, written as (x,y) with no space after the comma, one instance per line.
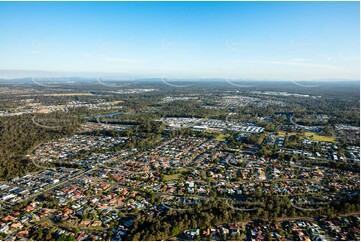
(239,40)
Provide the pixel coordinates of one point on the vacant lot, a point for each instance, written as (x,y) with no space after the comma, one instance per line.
(283,133)
(171,177)
(317,137)
(222,137)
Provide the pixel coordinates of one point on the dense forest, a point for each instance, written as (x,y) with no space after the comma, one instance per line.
(20,134)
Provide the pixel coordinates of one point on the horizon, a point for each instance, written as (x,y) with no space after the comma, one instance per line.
(160,79)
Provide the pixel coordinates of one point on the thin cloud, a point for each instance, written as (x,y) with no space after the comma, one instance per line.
(300,60)
(349,58)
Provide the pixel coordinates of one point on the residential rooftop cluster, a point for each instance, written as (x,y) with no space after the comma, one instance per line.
(321,229)
(67,149)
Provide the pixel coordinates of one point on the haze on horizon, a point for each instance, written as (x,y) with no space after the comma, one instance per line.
(248,40)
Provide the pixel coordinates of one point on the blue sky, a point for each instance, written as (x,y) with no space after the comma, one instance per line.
(248,40)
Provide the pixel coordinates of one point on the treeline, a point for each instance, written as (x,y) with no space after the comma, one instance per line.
(215,212)
(20,134)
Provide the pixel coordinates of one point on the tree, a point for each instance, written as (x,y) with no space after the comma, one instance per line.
(175,231)
(76,231)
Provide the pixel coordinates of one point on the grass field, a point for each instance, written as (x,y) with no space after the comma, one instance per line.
(221,137)
(172,177)
(177,175)
(316,137)
(283,133)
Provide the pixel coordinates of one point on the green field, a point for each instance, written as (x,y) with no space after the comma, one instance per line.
(172,177)
(222,137)
(316,137)
(175,176)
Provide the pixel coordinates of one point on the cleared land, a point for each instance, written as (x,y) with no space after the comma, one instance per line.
(222,137)
(316,137)
(175,176)
(283,133)
(172,177)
